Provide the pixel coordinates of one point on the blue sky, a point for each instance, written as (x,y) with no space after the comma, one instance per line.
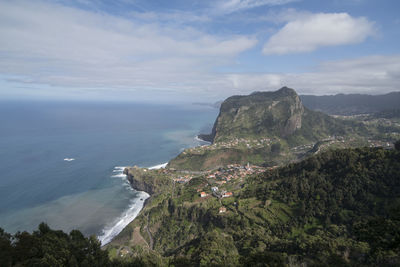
(181,50)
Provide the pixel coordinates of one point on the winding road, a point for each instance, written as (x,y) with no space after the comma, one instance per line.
(148,232)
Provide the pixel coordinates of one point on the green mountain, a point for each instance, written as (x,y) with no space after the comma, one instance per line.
(263,128)
(261,114)
(337,208)
(273,114)
(352,104)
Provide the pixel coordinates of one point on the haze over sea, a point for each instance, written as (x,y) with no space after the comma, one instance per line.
(87,193)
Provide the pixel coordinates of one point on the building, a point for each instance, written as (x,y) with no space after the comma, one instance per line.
(227,194)
(214,189)
(222,210)
(203,194)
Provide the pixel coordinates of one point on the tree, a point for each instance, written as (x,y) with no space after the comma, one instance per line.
(5,248)
(397,145)
(47,247)
(276,148)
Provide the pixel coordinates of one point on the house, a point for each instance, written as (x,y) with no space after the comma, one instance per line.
(203,194)
(214,189)
(227,194)
(222,210)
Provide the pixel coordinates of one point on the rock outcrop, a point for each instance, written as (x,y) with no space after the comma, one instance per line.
(261,114)
(142,179)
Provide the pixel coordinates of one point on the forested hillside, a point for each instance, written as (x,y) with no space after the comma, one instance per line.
(47,247)
(352,104)
(339,208)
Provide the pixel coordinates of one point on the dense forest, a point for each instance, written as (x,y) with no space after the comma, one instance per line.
(47,247)
(337,208)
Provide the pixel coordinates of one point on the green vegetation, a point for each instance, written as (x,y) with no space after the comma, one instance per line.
(147,180)
(47,247)
(207,159)
(338,208)
(266,114)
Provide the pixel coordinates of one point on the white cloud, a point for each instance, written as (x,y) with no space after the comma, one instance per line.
(231,6)
(307,33)
(58,45)
(372,74)
(50,49)
(171,17)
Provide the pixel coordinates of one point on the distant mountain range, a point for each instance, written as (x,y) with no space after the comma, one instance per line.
(342,104)
(352,104)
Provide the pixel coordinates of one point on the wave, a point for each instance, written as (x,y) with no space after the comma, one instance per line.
(118,172)
(136,205)
(119,167)
(119,175)
(197,138)
(121,222)
(163,165)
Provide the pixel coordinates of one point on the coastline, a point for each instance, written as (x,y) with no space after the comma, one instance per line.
(128,216)
(197,138)
(124,220)
(133,210)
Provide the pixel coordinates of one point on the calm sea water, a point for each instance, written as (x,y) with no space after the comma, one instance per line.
(88,193)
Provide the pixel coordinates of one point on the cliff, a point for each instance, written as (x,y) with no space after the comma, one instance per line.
(279,114)
(149,181)
(261,114)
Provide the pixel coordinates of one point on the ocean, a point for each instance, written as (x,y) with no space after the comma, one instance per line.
(62,162)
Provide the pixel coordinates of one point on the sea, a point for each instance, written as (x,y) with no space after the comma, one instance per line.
(62,162)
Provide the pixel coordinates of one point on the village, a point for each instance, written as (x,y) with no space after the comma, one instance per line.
(219,176)
(236,142)
(220,182)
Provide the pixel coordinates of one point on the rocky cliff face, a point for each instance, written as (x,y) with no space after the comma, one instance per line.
(260,114)
(149,181)
(137,182)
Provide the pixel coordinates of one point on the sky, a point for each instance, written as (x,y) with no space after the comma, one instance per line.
(196,50)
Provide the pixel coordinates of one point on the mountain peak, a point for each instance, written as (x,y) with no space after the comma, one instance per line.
(286,91)
(265,114)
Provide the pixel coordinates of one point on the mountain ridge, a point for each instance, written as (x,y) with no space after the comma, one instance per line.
(352,104)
